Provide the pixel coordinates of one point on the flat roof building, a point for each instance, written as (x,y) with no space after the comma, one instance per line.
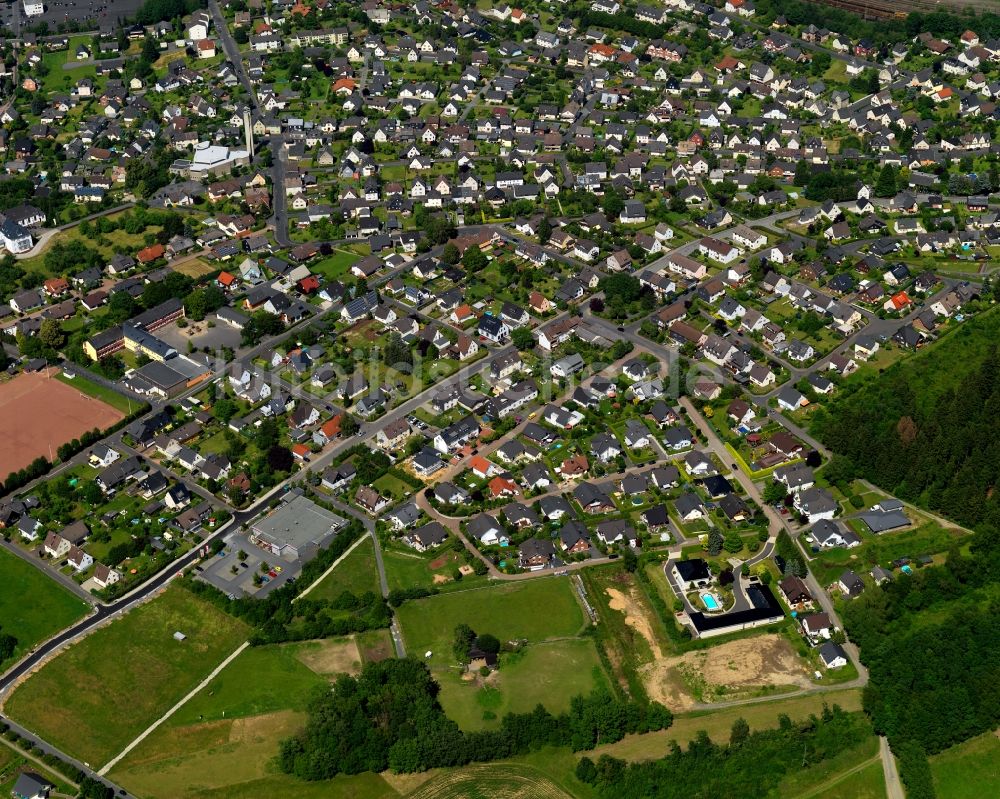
(296,530)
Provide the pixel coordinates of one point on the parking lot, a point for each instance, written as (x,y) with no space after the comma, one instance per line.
(201,335)
(218,570)
(102,13)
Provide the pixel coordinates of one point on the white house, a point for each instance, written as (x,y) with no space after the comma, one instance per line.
(15,237)
(79,560)
(105,576)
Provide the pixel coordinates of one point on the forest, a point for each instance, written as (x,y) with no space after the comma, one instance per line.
(928,428)
(750,764)
(389,716)
(932,649)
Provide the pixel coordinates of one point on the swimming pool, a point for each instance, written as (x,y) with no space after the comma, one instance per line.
(711,603)
(906,569)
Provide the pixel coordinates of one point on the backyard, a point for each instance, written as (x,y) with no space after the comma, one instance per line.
(881,550)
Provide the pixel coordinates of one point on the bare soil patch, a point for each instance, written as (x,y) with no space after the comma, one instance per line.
(268,727)
(331,657)
(38,414)
(635,618)
(373,653)
(498,781)
(731,670)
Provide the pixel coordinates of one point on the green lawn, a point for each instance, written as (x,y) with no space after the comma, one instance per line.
(98,695)
(550,674)
(856,773)
(537,610)
(33,606)
(355,573)
(262,679)
(214,444)
(408,569)
(336,266)
(103,393)
(390,485)
(970,770)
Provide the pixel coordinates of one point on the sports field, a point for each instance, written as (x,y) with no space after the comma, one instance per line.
(38,414)
(95,697)
(50,609)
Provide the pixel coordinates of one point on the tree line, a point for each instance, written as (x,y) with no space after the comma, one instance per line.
(389,716)
(751,764)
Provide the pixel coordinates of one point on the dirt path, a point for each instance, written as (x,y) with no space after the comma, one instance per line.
(634,618)
(837,779)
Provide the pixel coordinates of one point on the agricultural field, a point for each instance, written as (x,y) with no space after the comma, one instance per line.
(194,267)
(969,770)
(50,609)
(222,742)
(99,694)
(494,781)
